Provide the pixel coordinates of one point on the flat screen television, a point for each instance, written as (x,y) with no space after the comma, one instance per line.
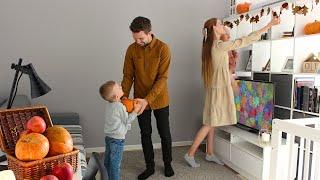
(254,104)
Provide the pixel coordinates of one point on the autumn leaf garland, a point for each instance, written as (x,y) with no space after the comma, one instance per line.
(256,18)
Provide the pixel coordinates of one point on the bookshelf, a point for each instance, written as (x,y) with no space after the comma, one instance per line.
(285,93)
(238,148)
(276,48)
(277,51)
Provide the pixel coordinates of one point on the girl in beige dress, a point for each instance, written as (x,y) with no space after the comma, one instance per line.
(219,108)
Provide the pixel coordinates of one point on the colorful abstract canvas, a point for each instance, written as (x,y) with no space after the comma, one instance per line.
(254,104)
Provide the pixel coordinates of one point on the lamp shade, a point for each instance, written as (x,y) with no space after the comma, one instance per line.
(38,86)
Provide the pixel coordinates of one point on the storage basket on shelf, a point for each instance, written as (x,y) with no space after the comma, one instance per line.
(12,123)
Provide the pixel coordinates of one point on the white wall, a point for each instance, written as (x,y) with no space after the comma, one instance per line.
(76,45)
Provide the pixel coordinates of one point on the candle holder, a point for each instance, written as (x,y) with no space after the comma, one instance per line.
(264,136)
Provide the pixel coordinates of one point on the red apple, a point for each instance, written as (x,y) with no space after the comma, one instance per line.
(63,171)
(49,177)
(36,124)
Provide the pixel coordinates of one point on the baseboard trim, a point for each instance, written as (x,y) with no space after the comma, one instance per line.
(89,151)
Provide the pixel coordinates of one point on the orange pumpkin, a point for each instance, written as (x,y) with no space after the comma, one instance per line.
(128,103)
(312,28)
(243,8)
(59,139)
(25,132)
(33,146)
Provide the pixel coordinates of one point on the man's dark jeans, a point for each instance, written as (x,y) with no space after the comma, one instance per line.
(162,119)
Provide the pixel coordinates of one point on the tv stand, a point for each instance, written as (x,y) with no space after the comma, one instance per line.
(243,152)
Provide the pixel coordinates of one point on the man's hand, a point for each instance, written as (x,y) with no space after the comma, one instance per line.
(136,107)
(144,104)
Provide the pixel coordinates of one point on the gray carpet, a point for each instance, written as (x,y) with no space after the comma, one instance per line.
(133,164)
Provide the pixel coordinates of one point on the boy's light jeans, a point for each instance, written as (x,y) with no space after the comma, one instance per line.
(113,157)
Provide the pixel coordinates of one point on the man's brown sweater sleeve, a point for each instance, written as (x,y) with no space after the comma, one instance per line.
(162,75)
(128,73)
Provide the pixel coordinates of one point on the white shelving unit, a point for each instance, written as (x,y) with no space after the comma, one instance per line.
(277,49)
(238,148)
(284,105)
(243,152)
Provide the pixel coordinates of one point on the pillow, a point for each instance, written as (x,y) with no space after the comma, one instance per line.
(69,118)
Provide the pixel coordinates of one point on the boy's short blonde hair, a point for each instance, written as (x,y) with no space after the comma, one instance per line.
(106,90)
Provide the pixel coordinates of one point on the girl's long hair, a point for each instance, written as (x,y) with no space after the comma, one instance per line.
(207,68)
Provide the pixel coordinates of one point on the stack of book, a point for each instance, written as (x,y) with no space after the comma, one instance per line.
(287,34)
(306,96)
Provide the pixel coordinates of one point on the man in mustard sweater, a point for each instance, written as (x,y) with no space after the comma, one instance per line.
(146,66)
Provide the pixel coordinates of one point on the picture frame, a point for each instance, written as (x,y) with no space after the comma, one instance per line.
(267,66)
(288,65)
(249,62)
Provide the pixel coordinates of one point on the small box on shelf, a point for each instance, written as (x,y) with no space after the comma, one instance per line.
(311,65)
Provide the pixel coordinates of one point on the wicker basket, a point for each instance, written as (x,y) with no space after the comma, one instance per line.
(12,123)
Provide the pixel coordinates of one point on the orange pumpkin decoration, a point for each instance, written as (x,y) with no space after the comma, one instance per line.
(312,28)
(33,146)
(243,8)
(129,104)
(59,139)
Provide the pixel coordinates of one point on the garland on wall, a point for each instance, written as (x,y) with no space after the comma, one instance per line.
(266,11)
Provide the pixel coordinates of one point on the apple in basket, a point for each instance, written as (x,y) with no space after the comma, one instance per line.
(36,124)
(63,171)
(49,177)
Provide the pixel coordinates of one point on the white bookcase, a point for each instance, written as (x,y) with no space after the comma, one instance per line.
(240,149)
(244,152)
(276,48)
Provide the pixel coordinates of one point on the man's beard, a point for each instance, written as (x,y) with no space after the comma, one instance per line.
(143,44)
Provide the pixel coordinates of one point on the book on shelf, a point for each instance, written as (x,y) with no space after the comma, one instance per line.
(306,96)
(310,107)
(299,82)
(288,34)
(316,100)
